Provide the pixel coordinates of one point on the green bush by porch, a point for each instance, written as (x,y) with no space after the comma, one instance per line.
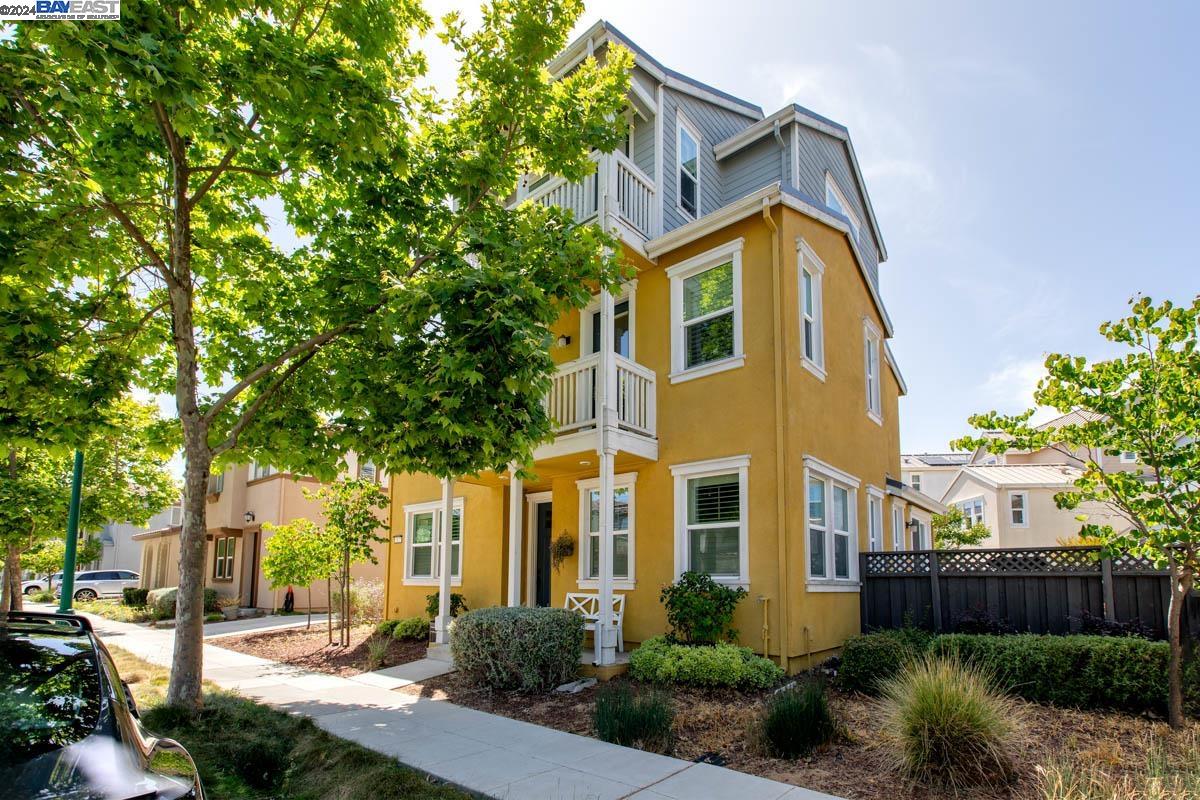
(661,661)
(527,649)
(162,601)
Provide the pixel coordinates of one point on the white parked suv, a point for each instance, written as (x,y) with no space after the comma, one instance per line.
(102,583)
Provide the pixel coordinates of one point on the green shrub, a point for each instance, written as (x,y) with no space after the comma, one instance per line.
(458,604)
(700,610)
(214,617)
(43,596)
(661,661)
(385,628)
(874,657)
(162,601)
(528,649)
(946,724)
(134,596)
(412,628)
(798,720)
(1079,671)
(633,720)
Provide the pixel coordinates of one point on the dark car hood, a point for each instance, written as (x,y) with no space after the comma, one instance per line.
(96,768)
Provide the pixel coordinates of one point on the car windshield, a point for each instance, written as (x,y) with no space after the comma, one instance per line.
(49,692)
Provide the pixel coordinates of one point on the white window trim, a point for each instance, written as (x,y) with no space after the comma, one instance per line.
(1125,460)
(815,468)
(682,122)
(627,480)
(532,501)
(1024,509)
(700,469)
(730,251)
(914,480)
(806,257)
(855,222)
(926,521)
(874,497)
(873,340)
(424,508)
(971,501)
(898,527)
(628,292)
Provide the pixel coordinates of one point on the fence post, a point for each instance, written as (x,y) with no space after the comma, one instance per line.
(862,601)
(1106,587)
(936,591)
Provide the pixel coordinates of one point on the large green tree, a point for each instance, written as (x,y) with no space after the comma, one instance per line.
(1145,400)
(411,320)
(126,480)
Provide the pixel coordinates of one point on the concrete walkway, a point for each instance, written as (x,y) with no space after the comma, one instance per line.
(215,630)
(484,753)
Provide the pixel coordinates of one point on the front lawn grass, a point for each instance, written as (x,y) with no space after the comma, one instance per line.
(247,751)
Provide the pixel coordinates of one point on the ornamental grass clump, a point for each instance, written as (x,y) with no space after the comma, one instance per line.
(523,649)
(642,720)
(946,725)
(798,720)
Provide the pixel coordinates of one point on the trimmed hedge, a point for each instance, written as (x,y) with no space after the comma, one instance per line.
(661,661)
(527,649)
(1121,672)
(411,628)
(162,601)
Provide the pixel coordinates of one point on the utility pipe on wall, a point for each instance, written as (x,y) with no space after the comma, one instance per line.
(781,438)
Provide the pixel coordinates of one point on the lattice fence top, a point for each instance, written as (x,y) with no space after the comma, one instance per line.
(1128,563)
(898,563)
(998,562)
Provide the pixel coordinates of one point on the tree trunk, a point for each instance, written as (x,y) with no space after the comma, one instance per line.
(329,607)
(11,599)
(309,624)
(346,599)
(187,659)
(1182,578)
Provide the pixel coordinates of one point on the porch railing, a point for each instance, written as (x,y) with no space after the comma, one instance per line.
(635,196)
(572,398)
(633,188)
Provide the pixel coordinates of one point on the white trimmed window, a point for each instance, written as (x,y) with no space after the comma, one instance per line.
(223,550)
(176,516)
(897,527)
(832,526)
(712,519)
(1018,509)
(623,534)
(422,543)
(1128,457)
(837,201)
(706,313)
(259,470)
(812,334)
(914,481)
(920,534)
(972,511)
(874,519)
(871,346)
(687,161)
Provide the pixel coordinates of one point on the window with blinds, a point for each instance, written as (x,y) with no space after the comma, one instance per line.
(714,516)
(424,543)
(708,310)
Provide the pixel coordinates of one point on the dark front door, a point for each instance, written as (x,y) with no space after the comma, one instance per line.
(544,526)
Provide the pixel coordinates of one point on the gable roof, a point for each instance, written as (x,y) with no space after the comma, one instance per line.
(1018,476)
(1077,417)
(800,115)
(935,459)
(603,31)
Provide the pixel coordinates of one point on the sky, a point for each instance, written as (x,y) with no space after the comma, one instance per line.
(1032,165)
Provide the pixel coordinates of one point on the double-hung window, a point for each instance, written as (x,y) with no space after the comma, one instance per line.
(972,511)
(1018,509)
(832,525)
(260,470)
(914,481)
(1128,457)
(687,157)
(812,335)
(835,200)
(223,551)
(622,536)
(367,471)
(423,538)
(874,519)
(897,527)
(706,313)
(711,519)
(871,347)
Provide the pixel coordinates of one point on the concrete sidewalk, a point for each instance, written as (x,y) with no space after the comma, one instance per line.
(484,753)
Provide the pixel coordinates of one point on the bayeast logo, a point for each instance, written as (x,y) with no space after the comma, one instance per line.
(61,9)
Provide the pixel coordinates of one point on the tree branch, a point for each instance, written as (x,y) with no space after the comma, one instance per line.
(248,415)
(221,167)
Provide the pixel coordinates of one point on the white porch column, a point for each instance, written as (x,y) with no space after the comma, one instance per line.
(516,506)
(444,562)
(605,638)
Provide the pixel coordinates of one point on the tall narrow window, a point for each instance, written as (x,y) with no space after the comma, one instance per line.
(223,550)
(423,542)
(841,532)
(874,521)
(897,528)
(812,336)
(621,329)
(837,202)
(622,522)
(871,344)
(687,155)
(832,525)
(1018,505)
(817,528)
(920,535)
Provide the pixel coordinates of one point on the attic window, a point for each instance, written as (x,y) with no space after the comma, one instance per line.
(687,155)
(837,202)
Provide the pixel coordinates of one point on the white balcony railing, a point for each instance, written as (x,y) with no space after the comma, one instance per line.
(572,398)
(618,175)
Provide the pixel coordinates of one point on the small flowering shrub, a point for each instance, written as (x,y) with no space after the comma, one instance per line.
(526,649)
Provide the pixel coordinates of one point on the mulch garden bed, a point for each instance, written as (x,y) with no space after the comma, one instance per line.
(311,649)
(715,726)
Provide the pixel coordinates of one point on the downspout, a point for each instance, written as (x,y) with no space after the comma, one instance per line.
(781,438)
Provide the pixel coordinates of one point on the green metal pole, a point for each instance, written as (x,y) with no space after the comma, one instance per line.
(67,584)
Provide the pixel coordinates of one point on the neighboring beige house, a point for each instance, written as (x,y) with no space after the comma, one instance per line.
(240,501)
(1012,493)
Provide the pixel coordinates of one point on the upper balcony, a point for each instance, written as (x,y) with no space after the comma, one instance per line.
(616,176)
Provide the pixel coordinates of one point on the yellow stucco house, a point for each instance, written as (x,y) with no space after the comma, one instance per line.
(737,400)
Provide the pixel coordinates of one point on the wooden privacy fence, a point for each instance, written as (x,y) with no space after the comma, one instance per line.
(1036,590)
